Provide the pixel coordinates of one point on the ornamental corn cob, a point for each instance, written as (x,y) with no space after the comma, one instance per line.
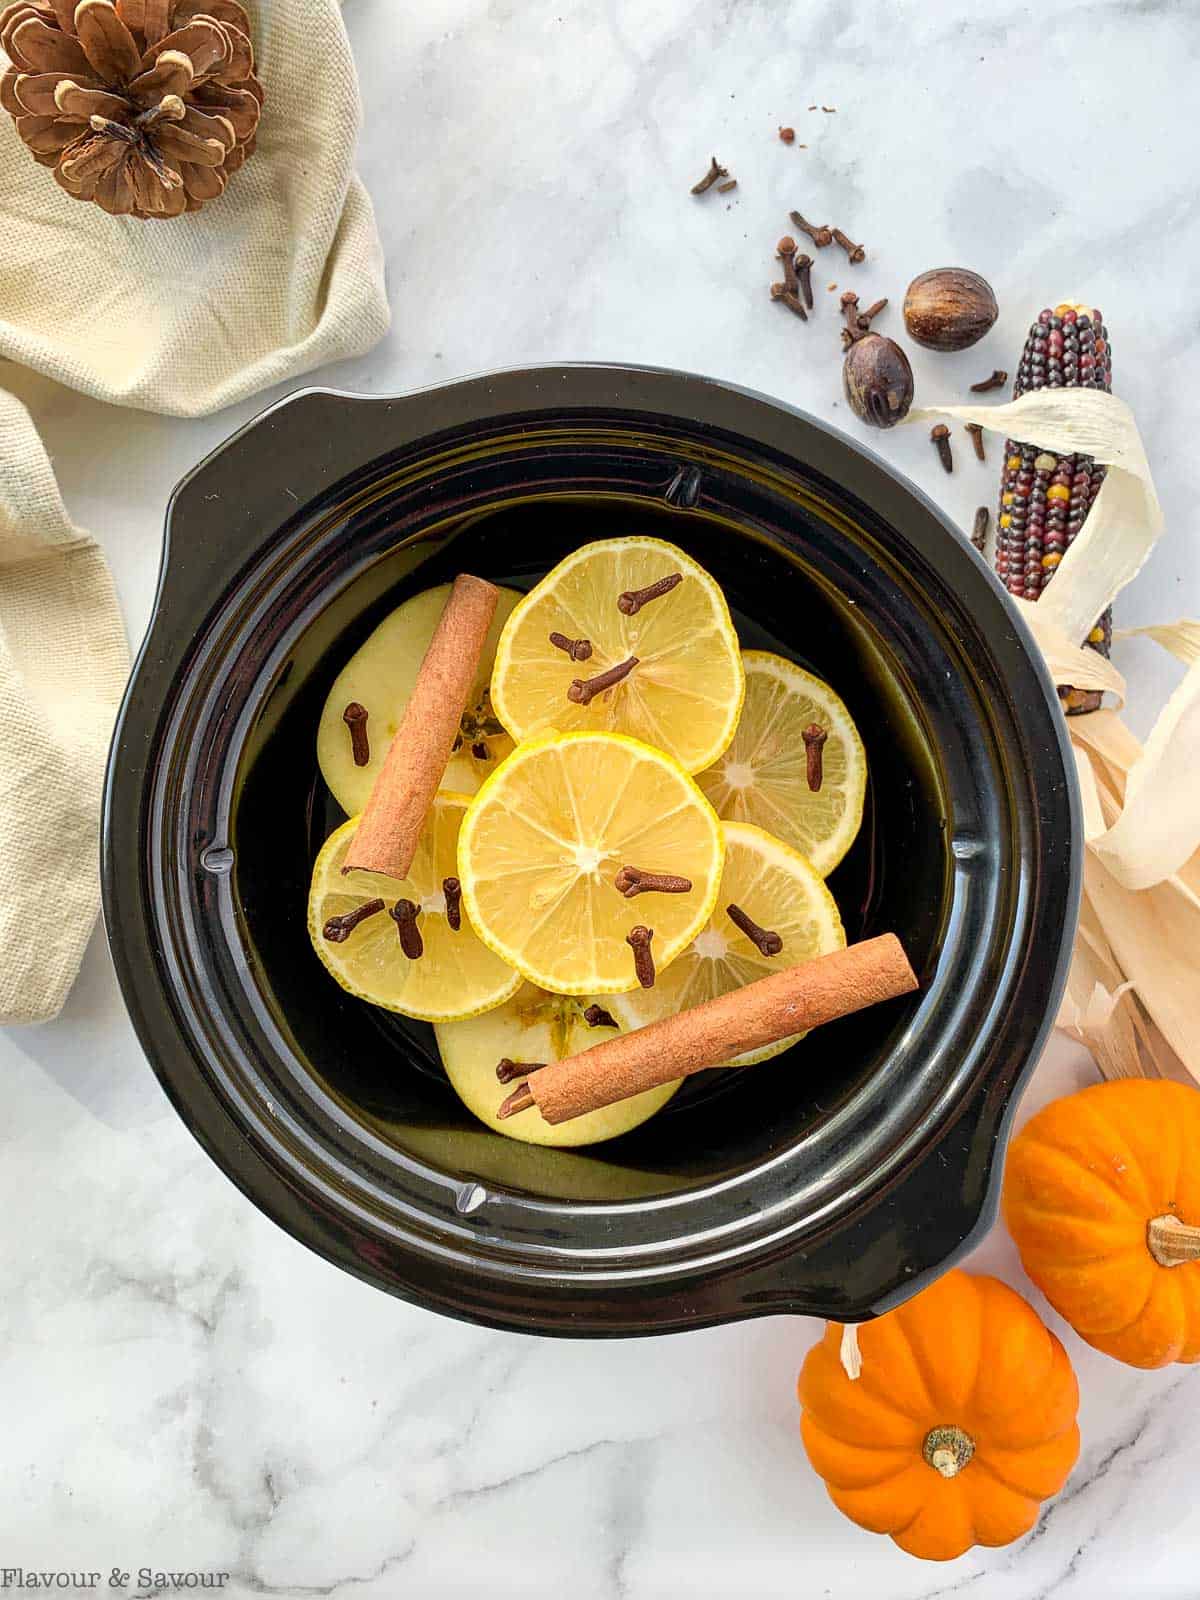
(1044,498)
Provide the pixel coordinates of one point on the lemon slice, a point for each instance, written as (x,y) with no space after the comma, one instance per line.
(685,692)
(535,1026)
(779,891)
(379,676)
(456,974)
(762,777)
(547,835)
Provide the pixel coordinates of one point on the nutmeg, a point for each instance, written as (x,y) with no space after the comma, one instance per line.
(878,381)
(949,308)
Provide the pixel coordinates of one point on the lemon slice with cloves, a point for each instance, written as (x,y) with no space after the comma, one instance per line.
(624,636)
(406,944)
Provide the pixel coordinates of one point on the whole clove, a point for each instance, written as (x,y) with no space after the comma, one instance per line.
(854,252)
(507,1069)
(858,322)
(997,381)
(785,297)
(814,737)
(577,649)
(940,434)
(638,939)
(404,914)
(975,429)
(338,929)
(765,940)
(804,265)
(583,691)
(785,252)
(632,601)
(979,531)
(355,718)
(820,236)
(596,1017)
(452,890)
(632,881)
(715,171)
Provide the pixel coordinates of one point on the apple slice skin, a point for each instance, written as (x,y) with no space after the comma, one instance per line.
(535,1026)
(379,676)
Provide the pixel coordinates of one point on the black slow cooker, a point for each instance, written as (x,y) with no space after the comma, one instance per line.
(834,1180)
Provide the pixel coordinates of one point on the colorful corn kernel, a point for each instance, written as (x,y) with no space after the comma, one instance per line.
(1044,498)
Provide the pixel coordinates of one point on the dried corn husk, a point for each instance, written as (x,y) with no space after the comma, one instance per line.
(1131,993)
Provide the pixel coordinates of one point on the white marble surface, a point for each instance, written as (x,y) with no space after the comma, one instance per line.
(182,1386)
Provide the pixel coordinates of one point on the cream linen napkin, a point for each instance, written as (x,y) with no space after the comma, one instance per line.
(63,666)
(283,273)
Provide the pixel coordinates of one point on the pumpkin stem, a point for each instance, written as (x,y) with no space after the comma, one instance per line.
(948,1450)
(1172,1242)
(851,1355)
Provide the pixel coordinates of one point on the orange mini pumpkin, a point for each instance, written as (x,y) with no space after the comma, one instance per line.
(961,1424)
(1102,1196)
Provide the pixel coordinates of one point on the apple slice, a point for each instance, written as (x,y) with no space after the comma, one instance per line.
(379,678)
(535,1027)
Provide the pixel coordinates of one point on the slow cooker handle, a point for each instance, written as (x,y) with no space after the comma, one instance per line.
(900,1240)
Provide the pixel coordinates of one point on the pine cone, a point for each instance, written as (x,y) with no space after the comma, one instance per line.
(144,106)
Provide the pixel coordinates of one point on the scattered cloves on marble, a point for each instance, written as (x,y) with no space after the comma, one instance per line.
(854,252)
(715,171)
(819,234)
(804,266)
(997,381)
(979,531)
(784,297)
(785,252)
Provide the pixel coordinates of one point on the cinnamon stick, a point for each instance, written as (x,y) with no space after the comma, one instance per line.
(395,814)
(711,1034)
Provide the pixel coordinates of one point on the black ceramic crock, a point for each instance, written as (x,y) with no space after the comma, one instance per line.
(834,1180)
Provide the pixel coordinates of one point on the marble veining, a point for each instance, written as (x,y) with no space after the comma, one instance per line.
(182,1387)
